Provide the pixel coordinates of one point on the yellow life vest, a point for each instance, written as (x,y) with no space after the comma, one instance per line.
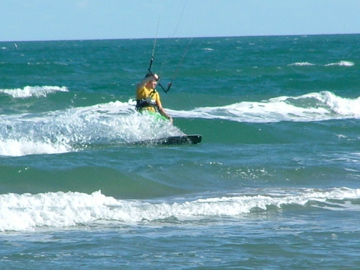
(147,99)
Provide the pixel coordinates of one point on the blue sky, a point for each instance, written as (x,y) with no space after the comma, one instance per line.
(116,19)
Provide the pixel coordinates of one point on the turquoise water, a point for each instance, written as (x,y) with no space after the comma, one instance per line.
(273,185)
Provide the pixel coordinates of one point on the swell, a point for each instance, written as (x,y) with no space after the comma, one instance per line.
(145,172)
(86,179)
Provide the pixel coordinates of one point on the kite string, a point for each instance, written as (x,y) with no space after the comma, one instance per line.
(181,61)
(155,40)
(188,46)
(155,44)
(178,22)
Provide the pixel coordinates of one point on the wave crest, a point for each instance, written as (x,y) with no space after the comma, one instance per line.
(27,212)
(33,91)
(305,108)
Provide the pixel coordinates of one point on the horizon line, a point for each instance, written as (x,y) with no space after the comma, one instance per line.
(181,37)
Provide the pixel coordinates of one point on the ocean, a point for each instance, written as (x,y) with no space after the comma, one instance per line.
(274,184)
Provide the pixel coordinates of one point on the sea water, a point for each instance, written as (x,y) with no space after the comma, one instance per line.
(275,183)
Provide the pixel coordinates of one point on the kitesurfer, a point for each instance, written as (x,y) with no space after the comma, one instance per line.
(147,98)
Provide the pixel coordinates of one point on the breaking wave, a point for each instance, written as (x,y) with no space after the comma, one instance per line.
(33,91)
(309,107)
(30,211)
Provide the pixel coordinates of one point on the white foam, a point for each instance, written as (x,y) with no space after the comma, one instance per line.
(23,147)
(349,108)
(302,64)
(341,64)
(78,128)
(27,212)
(309,107)
(33,91)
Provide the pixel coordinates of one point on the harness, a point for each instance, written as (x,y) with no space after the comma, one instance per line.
(146,102)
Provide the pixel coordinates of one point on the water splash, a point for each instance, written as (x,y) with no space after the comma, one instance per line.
(79,128)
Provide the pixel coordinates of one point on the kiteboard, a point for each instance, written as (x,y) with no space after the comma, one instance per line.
(172,140)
